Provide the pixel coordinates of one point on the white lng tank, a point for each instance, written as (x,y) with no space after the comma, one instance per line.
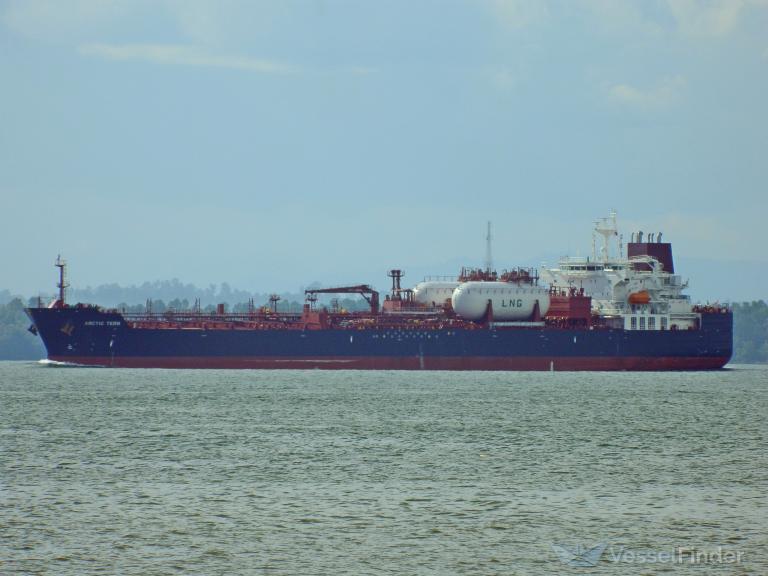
(434,293)
(510,301)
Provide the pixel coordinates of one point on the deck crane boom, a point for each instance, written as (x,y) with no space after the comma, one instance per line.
(371,296)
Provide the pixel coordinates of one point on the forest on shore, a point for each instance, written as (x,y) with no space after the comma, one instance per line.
(17,343)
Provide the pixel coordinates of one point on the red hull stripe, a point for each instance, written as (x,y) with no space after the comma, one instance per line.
(405,363)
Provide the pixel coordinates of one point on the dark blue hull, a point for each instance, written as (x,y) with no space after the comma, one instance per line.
(86,335)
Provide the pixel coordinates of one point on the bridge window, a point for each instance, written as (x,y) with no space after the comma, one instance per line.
(633,323)
(642,322)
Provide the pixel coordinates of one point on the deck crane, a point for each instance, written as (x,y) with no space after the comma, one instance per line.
(371,296)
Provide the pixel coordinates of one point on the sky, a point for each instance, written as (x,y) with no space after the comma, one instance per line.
(272,144)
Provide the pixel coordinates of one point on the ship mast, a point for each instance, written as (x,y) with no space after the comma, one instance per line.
(61,264)
(606,227)
(488,256)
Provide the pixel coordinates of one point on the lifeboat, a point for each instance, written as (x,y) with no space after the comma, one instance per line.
(641,297)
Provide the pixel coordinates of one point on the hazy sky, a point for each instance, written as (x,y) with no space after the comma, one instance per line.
(271,144)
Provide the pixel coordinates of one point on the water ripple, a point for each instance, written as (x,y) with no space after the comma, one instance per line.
(163,472)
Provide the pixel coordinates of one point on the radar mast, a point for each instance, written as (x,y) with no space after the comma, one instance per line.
(606,227)
(61,264)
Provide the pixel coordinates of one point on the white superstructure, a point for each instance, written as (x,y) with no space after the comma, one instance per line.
(636,293)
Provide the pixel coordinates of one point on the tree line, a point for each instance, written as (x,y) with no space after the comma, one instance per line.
(112,295)
(16,342)
(750,332)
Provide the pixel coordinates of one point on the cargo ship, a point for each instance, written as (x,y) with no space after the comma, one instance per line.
(623,308)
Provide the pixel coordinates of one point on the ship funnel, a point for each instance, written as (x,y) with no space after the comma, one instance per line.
(655,248)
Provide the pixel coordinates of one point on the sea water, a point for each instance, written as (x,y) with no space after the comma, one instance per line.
(137,472)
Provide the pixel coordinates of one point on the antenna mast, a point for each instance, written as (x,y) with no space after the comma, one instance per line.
(488,255)
(607,228)
(61,264)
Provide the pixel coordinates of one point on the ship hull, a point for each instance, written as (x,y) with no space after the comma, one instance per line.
(563,363)
(89,336)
